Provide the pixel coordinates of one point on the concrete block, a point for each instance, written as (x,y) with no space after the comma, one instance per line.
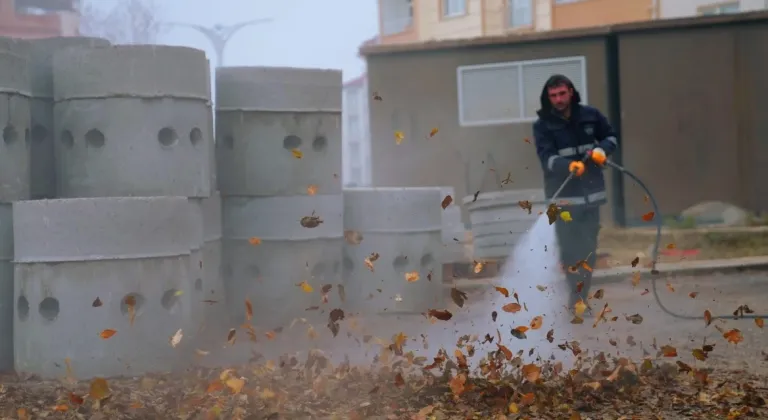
(14,120)
(269,273)
(129,123)
(404,227)
(262,114)
(105,248)
(206,266)
(42,166)
(6,288)
(453,228)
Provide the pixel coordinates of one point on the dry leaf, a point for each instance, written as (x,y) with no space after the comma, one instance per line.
(231,336)
(458,297)
(512,307)
(734,336)
(531,372)
(647,217)
(668,351)
(235,384)
(107,334)
(176,338)
(412,276)
(502,290)
(759,322)
(312,189)
(446,202)
(254,241)
(399,137)
(99,389)
(433,132)
(305,287)
(297,153)
(537,322)
(97,302)
(440,314)
(707,317)
(248,310)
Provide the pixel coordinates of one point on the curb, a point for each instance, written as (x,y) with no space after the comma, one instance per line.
(611,276)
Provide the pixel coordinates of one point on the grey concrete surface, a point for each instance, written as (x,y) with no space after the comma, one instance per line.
(6,287)
(159,145)
(14,120)
(403,226)
(453,228)
(42,162)
(262,114)
(498,221)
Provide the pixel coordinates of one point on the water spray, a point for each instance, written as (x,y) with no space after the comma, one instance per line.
(656,244)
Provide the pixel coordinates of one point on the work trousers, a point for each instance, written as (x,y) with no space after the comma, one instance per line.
(577,240)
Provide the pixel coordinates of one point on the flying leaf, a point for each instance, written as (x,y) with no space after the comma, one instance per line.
(635,261)
(734,336)
(99,389)
(579,307)
(399,137)
(305,287)
(254,241)
(537,322)
(458,297)
(297,153)
(433,132)
(502,290)
(442,315)
(707,317)
(668,351)
(312,189)
(759,322)
(512,307)
(97,302)
(478,267)
(647,217)
(412,276)
(699,354)
(446,202)
(248,310)
(525,205)
(551,335)
(377,97)
(353,237)
(635,319)
(670,246)
(693,295)
(235,384)
(176,338)
(369,260)
(521,329)
(566,216)
(107,334)
(599,294)
(552,213)
(531,372)
(636,278)
(231,336)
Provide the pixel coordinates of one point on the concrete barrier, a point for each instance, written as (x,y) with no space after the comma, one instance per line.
(14,120)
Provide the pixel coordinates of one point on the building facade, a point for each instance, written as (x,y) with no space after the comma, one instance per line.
(404,21)
(31,19)
(356,138)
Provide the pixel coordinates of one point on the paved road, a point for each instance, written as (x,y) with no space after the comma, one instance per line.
(720,294)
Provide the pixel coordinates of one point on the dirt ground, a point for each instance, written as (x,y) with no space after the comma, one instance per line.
(635,362)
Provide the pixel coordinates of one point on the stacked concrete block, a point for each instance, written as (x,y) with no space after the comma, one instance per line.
(136,216)
(401,230)
(14,173)
(132,121)
(498,221)
(70,253)
(43,177)
(279,171)
(208,287)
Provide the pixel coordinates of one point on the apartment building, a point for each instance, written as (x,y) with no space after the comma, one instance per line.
(356,139)
(402,21)
(33,19)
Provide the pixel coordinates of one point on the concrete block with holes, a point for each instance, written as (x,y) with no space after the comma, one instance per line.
(263,116)
(403,228)
(269,273)
(76,261)
(132,120)
(43,174)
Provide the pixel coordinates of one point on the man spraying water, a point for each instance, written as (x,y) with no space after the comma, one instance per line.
(565,132)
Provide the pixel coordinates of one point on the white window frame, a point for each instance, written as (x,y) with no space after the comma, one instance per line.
(521,88)
(510,10)
(717,9)
(447,5)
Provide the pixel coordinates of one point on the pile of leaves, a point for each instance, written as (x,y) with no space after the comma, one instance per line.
(402,386)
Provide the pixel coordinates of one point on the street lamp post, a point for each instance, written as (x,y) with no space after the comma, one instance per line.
(219,35)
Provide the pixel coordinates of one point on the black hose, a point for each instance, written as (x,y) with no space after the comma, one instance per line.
(655,255)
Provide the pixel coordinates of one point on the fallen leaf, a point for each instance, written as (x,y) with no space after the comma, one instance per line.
(440,314)
(699,354)
(399,137)
(512,307)
(107,334)
(235,384)
(537,322)
(97,302)
(531,372)
(75,399)
(551,335)
(201,353)
(176,338)
(446,202)
(670,287)
(412,276)
(521,329)
(552,213)
(297,153)
(248,310)
(254,241)
(99,389)
(647,217)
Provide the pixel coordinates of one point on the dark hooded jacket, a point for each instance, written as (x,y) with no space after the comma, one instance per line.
(560,141)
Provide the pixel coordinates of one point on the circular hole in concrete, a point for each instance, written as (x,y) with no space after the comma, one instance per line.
(400,262)
(39,134)
(320,143)
(170,299)
(318,271)
(167,136)
(195,136)
(199,285)
(22,308)
(10,134)
(291,142)
(427,260)
(49,308)
(94,138)
(228,142)
(132,299)
(67,139)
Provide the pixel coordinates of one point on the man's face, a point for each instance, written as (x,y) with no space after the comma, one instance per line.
(560,97)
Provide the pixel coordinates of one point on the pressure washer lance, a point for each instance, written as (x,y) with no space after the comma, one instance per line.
(657,241)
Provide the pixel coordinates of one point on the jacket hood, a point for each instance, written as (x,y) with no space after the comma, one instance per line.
(556,79)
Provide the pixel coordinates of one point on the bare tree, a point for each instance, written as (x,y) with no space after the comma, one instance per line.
(128,22)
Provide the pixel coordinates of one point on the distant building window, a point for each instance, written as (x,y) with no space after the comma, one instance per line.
(356,175)
(720,9)
(453,8)
(396,16)
(507,93)
(519,13)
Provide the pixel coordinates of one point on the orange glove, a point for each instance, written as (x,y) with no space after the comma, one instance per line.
(576,167)
(598,156)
